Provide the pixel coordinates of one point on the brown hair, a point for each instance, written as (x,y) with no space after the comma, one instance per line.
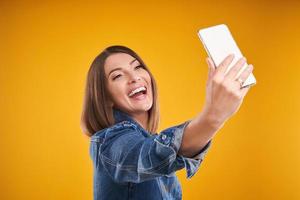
(97,110)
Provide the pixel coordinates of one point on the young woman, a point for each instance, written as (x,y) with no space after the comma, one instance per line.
(121,115)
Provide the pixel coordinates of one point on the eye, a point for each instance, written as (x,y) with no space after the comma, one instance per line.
(139,66)
(116,76)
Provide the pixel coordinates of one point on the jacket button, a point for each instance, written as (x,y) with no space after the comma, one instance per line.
(164,137)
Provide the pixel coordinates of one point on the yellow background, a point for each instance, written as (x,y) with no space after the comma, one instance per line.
(47,47)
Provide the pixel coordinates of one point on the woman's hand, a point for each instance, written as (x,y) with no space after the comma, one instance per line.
(224,94)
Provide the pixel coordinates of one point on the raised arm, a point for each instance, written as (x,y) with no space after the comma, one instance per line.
(224,97)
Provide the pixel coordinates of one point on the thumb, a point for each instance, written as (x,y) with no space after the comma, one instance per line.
(211,67)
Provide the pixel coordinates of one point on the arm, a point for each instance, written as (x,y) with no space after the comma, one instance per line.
(128,156)
(223,98)
(198,133)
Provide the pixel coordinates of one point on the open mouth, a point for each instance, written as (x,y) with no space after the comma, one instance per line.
(138,92)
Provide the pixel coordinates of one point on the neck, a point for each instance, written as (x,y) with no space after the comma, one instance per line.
(141,118)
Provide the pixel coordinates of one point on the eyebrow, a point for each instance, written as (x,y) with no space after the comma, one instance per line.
(118,68)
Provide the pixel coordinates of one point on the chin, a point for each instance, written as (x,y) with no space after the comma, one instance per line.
(142,108)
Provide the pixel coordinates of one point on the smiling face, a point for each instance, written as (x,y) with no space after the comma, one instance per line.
(126,76)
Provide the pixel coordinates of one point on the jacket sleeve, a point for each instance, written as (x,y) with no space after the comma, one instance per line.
(129,156)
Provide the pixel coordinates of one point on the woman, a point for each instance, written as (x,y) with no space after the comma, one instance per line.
(121,115)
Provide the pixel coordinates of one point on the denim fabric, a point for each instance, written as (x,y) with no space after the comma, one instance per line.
(131,163)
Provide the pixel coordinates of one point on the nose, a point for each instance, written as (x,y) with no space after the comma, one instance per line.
(134,78)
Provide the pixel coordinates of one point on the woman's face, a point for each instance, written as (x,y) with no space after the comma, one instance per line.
(125,74)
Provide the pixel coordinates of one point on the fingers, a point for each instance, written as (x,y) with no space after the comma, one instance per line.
(210,62)
(234,70)
(225,63)
(244,75)
(244,91)
(211,67)
(246,72)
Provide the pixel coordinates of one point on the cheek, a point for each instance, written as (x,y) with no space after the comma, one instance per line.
(117,90)
(148,78)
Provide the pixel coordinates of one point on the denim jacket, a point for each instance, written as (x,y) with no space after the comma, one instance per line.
(130,163)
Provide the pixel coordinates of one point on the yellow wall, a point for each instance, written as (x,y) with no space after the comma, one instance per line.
(46,49)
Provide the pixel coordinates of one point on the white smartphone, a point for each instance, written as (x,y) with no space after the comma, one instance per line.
(219,43)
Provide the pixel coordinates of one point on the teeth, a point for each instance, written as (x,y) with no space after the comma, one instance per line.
(137,90)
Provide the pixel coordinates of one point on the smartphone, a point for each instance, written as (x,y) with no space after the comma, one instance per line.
(219,43)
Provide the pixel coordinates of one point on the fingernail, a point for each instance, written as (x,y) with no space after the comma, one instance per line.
(250,67)
(207,60)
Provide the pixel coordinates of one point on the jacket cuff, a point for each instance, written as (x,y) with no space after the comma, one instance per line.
(192,164)
(173,137)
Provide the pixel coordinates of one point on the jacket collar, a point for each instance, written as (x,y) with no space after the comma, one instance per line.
(119,116)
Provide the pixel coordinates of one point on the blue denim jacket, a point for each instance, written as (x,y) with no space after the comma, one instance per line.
(131,163)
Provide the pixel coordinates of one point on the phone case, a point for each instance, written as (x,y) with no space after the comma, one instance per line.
(219,43)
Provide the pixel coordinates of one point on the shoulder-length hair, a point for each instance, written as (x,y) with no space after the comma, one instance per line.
(97,110)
